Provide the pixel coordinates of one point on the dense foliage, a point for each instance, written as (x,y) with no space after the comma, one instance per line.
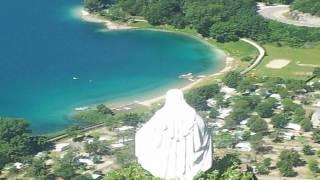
(225,168)
(279,120)
(257,124)
(232,79)
(197,97)
(226,20)
(16,143)
(93,5)
(307,6)
(287,160)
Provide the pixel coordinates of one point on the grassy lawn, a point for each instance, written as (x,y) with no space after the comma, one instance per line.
(237,49)
(146,25)
(295,55)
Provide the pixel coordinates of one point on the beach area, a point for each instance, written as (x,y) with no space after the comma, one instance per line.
(110,25)
(153,98)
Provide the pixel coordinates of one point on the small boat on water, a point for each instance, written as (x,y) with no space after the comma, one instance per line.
(75,78)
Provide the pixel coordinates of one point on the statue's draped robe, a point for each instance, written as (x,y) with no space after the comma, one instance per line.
(175,143)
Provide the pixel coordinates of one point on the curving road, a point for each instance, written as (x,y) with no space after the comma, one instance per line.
(258,60)
(278,12)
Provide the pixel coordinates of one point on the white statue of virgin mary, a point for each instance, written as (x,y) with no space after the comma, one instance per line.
(175,143)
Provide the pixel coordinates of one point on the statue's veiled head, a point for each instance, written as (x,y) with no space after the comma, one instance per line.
(175,98)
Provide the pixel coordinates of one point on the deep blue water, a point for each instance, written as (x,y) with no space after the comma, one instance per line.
(43,46)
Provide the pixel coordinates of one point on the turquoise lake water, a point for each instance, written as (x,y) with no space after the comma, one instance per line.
(43,46)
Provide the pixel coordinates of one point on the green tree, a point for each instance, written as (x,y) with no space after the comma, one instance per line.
(316,135)
(286,168)
(75,131)
(265,109)
(307,150)
(240,111)
(232,79)
(257,124)
(66,167)
(196,101)
(307,6)
(104,109)
(316,72)
(82,177)
(313,165)
(246,84)
(246,135)
(279,120)
(133,171)
(213,113)
(97,147)
(224,140)
(256,142)
(264,166)
(131,119)
(287,160)
(92,148)
(39,169)
(208,91)
(95,5)
(289,106)
(16,142)
(306,125)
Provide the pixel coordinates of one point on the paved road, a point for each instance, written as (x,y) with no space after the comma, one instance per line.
(258,60)
(277,13)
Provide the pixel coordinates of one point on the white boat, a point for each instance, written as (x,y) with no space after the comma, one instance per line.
(75,78)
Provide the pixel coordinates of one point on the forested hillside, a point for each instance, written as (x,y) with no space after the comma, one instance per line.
(224,20)
(307,6)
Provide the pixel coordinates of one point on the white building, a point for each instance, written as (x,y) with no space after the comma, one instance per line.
(86,161)
(276,96)
(117,145)
(211,102)
(96,176)
(124,128)
(244,146)
(61,147)
(317,103)
(315,119)
(229,91)
(217,123)
(288,135)
(244,122)
(18,165)
(224,112)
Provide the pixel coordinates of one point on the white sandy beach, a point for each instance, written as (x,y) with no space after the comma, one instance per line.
(85,15)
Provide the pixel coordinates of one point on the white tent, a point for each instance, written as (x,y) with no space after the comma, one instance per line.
(315,119)
(293,126)
(86,161)
(175,143)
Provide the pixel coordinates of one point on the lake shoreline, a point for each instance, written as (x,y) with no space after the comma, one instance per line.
(225,66)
